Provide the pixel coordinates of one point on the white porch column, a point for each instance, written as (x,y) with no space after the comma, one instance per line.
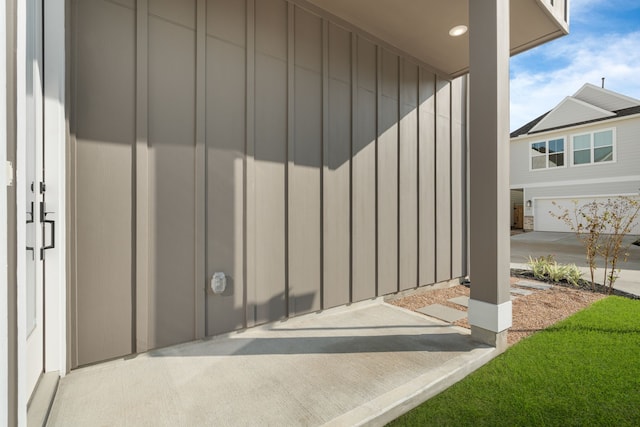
(490,303)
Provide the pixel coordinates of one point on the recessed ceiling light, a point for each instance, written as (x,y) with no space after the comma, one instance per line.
(458,30)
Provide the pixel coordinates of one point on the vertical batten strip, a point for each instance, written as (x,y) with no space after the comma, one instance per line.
(141,196)
(436,100)
(418,142)
(420,176)
(288,192)
(5,146)
(200,171)
(250,177)
(465,178)
(378,120)
(375,165)
(72,189)
(354,115)
(457,182)
(451,180)
(324,150)
(398,168)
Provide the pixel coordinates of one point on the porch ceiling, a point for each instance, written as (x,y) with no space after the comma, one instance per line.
(421,27)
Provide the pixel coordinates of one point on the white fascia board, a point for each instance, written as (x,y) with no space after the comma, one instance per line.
(589,181)
(607,92)
(572,129)
(586,196)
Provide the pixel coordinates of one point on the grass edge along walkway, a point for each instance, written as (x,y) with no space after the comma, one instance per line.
(584,370)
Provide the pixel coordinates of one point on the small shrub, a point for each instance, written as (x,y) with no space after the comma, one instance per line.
(601,226)
(573,275)
(547,268)
(555,272)
(538,266)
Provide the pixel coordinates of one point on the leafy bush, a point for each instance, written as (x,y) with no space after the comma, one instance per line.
(538,265)
(547,268)
(573,275)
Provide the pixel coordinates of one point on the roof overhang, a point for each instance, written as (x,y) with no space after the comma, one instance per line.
(421,27)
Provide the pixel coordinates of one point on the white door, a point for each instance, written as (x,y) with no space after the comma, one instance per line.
(35,190)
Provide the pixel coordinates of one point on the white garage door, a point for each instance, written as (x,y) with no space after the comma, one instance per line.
(544,221)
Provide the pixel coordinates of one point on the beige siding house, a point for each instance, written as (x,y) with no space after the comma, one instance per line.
(585,149)
(182,169)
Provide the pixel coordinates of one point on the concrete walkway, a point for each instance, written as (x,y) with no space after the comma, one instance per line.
(359,365)
(567,249)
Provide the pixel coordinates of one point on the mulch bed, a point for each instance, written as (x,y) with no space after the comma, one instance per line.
(582,284)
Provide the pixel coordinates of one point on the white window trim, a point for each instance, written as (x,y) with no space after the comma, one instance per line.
(614,156)
(546,155)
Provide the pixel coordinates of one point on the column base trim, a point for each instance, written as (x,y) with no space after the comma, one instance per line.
(491,317)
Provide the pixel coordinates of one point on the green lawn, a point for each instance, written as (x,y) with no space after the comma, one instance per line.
(583,371)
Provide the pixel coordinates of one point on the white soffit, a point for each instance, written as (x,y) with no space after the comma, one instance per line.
(571,111)
(605,99)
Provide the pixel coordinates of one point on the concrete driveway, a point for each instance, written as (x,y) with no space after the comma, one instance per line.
(567,249)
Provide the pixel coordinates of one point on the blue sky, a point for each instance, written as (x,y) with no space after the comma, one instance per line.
(604,41)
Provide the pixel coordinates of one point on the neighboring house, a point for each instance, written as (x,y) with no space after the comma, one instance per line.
(586,148)
(313,152)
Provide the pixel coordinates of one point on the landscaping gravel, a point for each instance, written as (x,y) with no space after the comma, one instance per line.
(531,313)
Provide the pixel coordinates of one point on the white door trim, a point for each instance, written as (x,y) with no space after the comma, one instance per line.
(21,217)
(55,130)
(55,134)
(34,101)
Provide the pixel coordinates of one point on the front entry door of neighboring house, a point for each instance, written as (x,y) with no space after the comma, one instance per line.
(518,216)
(39,228)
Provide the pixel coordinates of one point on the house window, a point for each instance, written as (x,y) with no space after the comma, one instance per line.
(539,155)
(556,153)
(596,147)
(582,149)
(603,146)
(547,154)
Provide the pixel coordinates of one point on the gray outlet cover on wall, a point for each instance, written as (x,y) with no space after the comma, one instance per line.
(218,282)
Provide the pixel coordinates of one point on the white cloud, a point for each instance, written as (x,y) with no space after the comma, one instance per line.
(587,10)
(615,57)
(580,8)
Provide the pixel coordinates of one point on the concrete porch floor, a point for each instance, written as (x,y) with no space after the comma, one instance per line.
(359,365)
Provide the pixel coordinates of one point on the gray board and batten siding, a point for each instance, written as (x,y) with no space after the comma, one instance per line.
(311,165)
